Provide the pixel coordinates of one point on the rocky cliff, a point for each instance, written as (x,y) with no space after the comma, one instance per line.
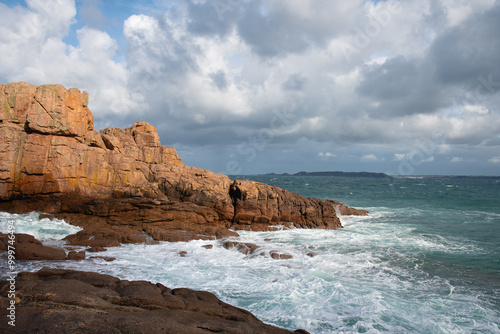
(122,185)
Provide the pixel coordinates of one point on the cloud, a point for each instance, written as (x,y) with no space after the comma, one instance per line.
(246,66)
(220,80)
(416,156)
(280,28)
(326,155)
(370,157)
(295,82)
(399,157)
(91,13)
(494,160)
(207,18)
(457,159)
(474,110)
(460,54)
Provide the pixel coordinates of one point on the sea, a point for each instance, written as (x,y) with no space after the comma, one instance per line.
(425,260)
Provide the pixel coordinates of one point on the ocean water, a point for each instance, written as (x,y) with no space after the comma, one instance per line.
(425,260)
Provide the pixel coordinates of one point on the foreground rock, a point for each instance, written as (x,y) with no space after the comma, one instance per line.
(121,185)
(26,247)
(65,301)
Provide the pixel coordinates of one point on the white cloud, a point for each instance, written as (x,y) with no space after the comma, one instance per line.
(457,159)
(458,11)
(24,32)
(399,157)
(48,18)
(443,148)
(475,109)
(326,155)
(416,156)
(369,157)
(495,160)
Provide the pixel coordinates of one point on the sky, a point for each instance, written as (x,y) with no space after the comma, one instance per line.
(408,87)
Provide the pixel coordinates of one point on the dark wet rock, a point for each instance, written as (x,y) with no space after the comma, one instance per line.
(280,256)
(76,256)
(106,258)
(246,248)
(96,249)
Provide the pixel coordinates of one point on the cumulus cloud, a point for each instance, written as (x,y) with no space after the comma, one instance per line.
(455,52)
(280,28)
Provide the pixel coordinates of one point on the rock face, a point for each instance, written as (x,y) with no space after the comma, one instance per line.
(121,185)
(65,301)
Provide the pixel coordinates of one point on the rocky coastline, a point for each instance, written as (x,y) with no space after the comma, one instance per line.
(122,186)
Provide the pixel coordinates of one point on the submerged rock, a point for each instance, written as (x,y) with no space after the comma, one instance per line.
(246,248)
(280,256)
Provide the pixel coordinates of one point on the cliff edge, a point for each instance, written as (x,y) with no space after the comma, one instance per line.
(122,185)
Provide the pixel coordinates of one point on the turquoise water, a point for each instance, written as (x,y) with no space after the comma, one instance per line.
(435,231)
(426,259)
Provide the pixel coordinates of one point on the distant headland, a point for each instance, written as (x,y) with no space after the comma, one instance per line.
(336,173)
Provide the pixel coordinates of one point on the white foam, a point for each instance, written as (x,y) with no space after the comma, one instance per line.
(42,229)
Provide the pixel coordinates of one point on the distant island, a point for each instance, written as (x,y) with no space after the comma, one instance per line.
(337,173)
